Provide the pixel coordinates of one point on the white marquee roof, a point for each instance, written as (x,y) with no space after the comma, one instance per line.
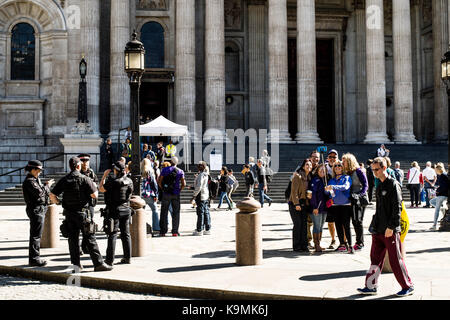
(162,127)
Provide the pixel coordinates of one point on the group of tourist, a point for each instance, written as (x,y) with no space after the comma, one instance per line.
(335,192)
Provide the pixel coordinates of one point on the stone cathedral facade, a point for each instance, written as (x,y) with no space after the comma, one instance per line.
(337,71)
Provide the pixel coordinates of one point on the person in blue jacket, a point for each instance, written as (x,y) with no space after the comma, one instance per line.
(318,199)
(339,189)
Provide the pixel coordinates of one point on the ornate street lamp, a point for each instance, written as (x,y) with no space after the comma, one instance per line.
(134,67)
(82,93)
(445,75)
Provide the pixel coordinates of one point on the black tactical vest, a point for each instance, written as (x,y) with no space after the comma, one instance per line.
(72,198)
(120,193)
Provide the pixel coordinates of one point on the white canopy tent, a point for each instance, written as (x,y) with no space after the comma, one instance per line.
(162,127)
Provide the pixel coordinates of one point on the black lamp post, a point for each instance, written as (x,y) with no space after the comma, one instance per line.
(445,75)
(82,94)
(134,67)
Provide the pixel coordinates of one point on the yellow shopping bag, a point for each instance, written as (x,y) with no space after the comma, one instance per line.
(404,223)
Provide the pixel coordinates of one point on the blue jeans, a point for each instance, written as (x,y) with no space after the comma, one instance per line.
(222,195)
(203,216)
(155,214)
(318,221)
(427,186)
(168,201)
(262,195)
(437,203)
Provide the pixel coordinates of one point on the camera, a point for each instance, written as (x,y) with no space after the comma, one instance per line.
(322,149)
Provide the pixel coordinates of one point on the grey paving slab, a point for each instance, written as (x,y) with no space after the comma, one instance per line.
(204,267)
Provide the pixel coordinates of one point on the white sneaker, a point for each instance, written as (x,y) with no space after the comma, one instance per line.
(207,232)
(197,233)
(433,228)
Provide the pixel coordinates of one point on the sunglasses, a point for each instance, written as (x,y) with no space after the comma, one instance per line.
(332,157)
(338,166)
(84,160)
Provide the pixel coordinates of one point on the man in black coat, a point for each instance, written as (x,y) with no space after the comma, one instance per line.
(385,229)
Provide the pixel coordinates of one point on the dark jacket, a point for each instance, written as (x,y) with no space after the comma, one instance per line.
(319,196)
(223,184)
(34,192)
(261,175)
(442,182)
(389,207)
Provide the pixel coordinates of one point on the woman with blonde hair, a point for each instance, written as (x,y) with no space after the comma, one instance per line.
(441,192)
(150,191)
(413,177)
(359,197)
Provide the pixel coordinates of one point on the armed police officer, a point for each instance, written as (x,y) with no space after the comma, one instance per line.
(118,189)
(36,195)
(76,190)
(88,172)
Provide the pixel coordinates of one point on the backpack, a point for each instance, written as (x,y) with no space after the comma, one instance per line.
(250,178)
(213,187)
(287,192)
(168,182)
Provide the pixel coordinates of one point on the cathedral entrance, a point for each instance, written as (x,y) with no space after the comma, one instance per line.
(153,100)
(325,89)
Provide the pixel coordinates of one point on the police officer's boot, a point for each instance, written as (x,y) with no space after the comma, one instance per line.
(103,267)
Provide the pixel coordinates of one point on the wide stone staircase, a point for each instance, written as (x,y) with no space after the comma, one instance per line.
(13,196)
(290,157)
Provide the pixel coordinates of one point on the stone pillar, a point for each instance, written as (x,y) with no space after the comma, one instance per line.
(138,228)
(249,249)
(50,234)
(257,64)
(416,28)
(278,69)
(120,89)
(56,123)
(306,73)
(375,68)
(185,64)
(440,46)
(403,87)
(361,81)
(214,70)
(91,42)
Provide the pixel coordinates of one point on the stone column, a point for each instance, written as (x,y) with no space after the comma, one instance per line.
(214,70)
(306,73)
(403,87)
(440,46)
(416,28)
(278,69)
(120,89)
(361,84)
(91,41)
(375,68)
(185,64)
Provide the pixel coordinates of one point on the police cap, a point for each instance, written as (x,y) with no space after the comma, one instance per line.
(34,164)
(84,156)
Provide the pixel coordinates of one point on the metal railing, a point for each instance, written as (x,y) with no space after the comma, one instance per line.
(22,168)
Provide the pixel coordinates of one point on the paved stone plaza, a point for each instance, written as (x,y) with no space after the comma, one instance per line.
(204,267)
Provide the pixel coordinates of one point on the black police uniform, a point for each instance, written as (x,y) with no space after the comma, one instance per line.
(76,189)
(36,197)
(117,197)
(92,203)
